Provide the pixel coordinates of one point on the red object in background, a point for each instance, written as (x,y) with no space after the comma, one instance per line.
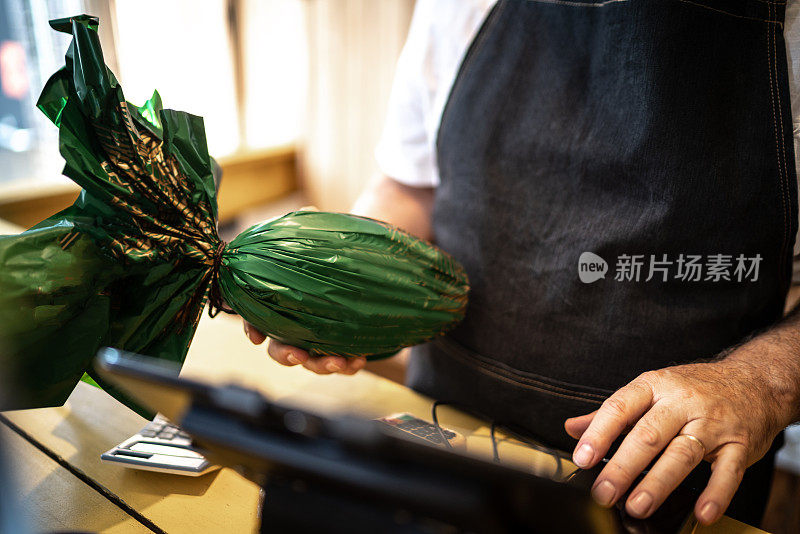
(13,74)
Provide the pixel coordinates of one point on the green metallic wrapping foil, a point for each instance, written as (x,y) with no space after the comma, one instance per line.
(132,262)
(334,283)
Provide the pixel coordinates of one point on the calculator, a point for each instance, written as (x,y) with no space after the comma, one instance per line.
(419,430)
(162,447)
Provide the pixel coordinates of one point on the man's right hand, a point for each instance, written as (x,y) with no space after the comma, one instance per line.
(291,356)
(404,206)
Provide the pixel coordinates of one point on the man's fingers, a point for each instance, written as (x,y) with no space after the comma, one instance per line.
(325,365)
(576,426)
(354,365)
(618,412)
(679,458)
(322,365)
(726,475)
(645,441)
(286,354)
(255,336)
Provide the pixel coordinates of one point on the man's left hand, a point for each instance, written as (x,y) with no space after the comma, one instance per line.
(725,412)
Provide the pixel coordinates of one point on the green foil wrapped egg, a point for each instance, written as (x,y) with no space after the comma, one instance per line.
(335,283)
(133,261)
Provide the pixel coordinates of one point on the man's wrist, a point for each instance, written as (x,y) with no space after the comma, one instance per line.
(772,362)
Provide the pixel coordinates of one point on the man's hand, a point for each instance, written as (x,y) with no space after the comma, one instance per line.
(289,356)
(406,207)
(725,412)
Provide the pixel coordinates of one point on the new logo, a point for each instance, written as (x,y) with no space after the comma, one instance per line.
(591,267)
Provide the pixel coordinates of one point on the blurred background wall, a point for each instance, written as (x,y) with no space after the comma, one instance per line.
(353,47)
(293,92)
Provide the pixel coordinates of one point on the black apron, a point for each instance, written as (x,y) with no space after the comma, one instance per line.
(621,128)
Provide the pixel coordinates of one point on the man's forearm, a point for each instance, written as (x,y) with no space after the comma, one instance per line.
(775,355)
(406,207)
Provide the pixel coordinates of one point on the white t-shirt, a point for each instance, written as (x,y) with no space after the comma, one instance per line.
(440,33)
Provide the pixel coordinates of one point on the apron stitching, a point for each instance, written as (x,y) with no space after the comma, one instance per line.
(513,376)
(775,130)
(492,372)
(546,380)
(532,383)
(579,4)
(772,66)
(784,163)
(731,14)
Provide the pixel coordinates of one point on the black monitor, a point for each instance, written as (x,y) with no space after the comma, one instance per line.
(349,474)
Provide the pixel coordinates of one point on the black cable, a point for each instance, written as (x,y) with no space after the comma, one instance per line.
(544,449)
(436,423)
(495,454)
